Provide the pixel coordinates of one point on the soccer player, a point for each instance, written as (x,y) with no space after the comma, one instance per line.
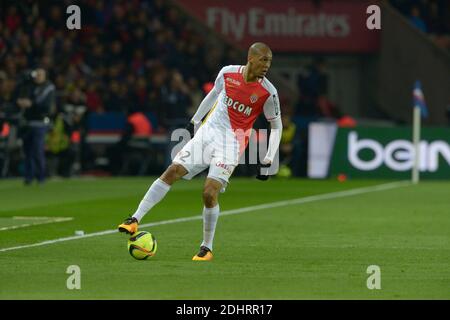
(239,95)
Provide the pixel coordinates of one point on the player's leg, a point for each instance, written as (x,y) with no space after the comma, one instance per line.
(39,153)
(223,162)
(186,164)
(155,194)
(159,189)
(210,216)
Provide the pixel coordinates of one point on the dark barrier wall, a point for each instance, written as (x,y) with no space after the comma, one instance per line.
(408,55)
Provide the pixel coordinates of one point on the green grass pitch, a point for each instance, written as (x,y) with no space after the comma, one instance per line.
(315,250)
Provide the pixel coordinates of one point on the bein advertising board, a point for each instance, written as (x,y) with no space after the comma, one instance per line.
(376,152)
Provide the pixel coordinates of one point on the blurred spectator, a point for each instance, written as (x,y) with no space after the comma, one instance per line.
(429,16)
(12,20)
(287,145)
(158,90)
(207,87)
(124,40)
(58,144)
(134,140)
(141,54)
(76,97)
(116,97)
(6,92)
(36,98)
(327,108)
(196,95)
(140,93)
(177,101)
(416,19)
(313,88)
(94,101)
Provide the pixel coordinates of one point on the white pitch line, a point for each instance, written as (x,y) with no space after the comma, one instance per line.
(46,220)
(39,218)
(326,196)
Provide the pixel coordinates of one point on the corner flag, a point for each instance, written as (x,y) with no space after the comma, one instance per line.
(419,99)
(420,111)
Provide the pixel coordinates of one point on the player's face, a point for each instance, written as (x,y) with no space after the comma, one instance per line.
(261,63)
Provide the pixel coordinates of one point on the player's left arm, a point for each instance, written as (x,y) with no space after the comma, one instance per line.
(273,116)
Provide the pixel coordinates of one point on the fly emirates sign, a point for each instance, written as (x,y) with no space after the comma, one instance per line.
(257,22)
(290,25)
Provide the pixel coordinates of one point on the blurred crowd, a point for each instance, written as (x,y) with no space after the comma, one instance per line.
(430,16)
(142,56)
(134,57)
(132,54)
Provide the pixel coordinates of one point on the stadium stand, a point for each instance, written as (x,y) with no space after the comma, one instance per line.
(129,54)
(429,16)
(148,56)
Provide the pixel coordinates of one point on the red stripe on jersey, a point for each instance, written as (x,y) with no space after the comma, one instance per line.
(244,102)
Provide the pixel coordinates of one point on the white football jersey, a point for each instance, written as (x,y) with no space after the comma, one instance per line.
(240,103)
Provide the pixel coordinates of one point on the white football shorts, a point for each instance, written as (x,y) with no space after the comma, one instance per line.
(211,148)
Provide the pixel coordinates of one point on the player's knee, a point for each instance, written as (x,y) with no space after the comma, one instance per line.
(173,173)
(210,195)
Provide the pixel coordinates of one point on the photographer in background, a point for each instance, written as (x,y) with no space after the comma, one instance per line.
(36,99)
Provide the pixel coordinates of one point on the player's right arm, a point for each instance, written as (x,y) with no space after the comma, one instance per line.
(205,106)
(210,99)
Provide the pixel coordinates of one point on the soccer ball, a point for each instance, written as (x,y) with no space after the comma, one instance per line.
(142,245)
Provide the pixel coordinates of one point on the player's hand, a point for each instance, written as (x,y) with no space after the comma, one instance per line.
(190,128)
(263,171)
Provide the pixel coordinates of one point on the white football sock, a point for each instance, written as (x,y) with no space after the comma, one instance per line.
(155,193)
(210,216)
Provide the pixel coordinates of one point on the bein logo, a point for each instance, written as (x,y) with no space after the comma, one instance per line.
(397,155)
